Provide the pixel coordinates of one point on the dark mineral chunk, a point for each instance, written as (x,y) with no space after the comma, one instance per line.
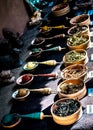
(13,37)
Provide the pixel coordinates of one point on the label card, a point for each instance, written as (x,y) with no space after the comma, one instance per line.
(91,34)
(91,57)
(90,91)
(89,109)
(91,45)
(90,74)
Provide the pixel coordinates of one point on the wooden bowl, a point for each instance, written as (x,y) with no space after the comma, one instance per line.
(72,88)
(79,41)
(83,29)
(24,80)
(78,56)
(83,19)
(68,119)
(60,9)
(75,71)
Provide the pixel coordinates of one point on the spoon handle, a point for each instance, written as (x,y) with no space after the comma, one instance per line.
(36,115)
(57,48)
(49,27)
(55,75)
(41,90)
(49,62)
(56,36)
(59,27)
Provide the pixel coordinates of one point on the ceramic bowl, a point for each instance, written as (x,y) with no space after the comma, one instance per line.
(79,41)
(60,9)
(75,71)
(24,80)
(30,66)
(37,42)
(20,94)
(83,29)
(67,118)
(36,54)
(83,19)
(72,88)
(10,123)
(44,32)
(78,56)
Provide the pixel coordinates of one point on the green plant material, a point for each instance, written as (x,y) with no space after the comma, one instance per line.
(78,29)
(71,88)
(74,56)
(76,40)
(74,72)
(66,107)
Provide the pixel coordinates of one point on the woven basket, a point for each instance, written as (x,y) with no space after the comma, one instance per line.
(83,19)
(60,9)
(67,72)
